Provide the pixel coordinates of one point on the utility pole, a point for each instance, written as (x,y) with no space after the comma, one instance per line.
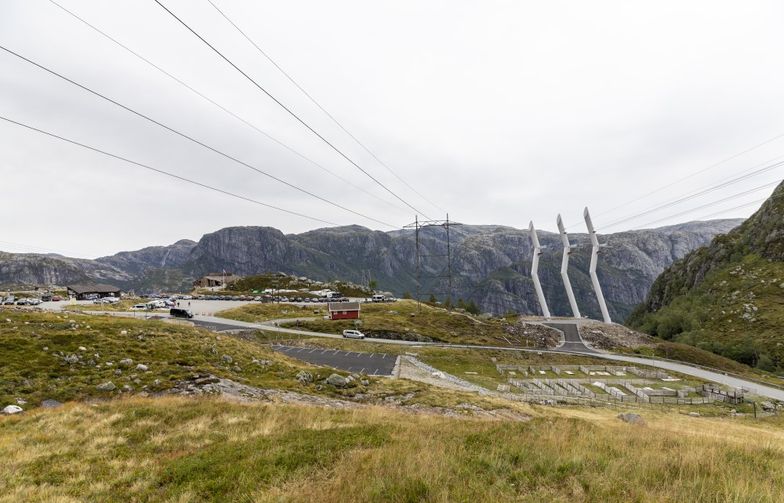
(446,273)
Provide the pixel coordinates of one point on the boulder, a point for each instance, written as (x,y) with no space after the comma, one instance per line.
(142,367)
(51,404)
(126,362)
(227,358)
(631,418)
(337,381)
(12,409)
(304,377)
(71,359)
(107,386)
(768,406)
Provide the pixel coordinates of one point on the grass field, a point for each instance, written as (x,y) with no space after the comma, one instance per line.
(185,450)
(405,320)
(258,312)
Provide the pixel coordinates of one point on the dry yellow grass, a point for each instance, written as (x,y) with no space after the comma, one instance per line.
(184,450)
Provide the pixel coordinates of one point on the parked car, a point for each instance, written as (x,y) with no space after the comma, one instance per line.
(22,302)
(56,298)
(139,307)
(180,313)
(353,334)
(9,301)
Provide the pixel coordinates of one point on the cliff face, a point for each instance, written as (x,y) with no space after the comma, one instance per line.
(33,269)
(490,264)
(727,296)
(158,257)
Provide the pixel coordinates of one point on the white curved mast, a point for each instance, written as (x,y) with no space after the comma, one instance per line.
(595,246)
(537,251)
(567,250)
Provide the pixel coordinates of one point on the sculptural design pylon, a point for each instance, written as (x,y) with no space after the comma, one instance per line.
(567,250)
(595,246)
(537,251)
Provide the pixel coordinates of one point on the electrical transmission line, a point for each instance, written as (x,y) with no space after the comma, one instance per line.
(697,194)
(190,138)
(713,203)
(320,107)
(287,109)
(167,173)
(692,175)
(218,105)
(740,207)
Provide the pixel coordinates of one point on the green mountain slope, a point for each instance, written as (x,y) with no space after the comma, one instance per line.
(727,297)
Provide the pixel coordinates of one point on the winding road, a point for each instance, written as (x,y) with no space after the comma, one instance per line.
(572,344)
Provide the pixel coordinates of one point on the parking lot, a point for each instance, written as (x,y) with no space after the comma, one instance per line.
(381,364)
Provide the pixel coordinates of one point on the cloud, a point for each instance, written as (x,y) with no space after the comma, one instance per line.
(498,111)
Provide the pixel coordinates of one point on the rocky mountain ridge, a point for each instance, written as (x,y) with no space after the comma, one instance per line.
(490,264)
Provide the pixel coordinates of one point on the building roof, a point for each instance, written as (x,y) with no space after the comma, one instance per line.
(220,277)
(93,288)
(344,306)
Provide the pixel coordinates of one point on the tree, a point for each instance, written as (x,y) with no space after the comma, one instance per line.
(766,363)
(407,295)
(472,307)
(372,284)
(432,299)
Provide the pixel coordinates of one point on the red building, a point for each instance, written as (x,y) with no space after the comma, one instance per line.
(344,310)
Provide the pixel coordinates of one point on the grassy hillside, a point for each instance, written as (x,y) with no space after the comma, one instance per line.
(728,297)
(737,311)
(207,450)
(405,320)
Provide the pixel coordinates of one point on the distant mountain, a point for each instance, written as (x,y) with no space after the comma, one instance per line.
(490,264)
(17,269)
(727,297)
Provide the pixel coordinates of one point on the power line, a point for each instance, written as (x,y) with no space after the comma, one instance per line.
(218,105)
(320,107)
(287,109)
(697,194)
(167,173)
(746,205)
(190,138)
(714,203)
(692,175)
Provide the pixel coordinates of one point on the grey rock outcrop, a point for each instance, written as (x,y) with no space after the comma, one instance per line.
(107,386)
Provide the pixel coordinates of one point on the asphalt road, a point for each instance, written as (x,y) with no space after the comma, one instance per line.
(706,374)
(572,343)
(350,361)
(215,326)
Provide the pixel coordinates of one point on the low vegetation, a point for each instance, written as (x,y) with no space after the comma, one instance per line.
(736,312)
(408,321)
(184,450)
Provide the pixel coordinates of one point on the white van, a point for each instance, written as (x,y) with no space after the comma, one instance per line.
(353,334)
(379,298)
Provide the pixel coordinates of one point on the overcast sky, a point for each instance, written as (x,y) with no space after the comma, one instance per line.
(497,111)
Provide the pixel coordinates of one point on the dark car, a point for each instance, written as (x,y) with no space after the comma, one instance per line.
(176,312)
